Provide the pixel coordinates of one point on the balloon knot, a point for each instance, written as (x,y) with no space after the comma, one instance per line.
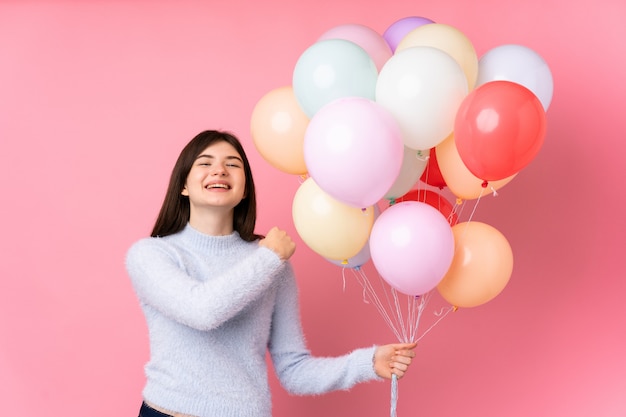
(455,308)
(421,156)
(344,262)
(392,201)
(484,184)
(459,201)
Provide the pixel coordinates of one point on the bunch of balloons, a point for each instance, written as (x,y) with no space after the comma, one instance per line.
(371,118)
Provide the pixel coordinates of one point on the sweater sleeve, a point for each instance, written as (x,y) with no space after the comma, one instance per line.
(161,282)
(298,371)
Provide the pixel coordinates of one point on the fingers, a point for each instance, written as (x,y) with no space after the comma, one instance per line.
(280,242)
(405,346)
(402,358)
(399,370)
(405,353)
(400,362)
(394,359)
(404,350)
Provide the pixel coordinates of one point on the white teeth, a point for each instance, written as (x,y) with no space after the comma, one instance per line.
(218,186)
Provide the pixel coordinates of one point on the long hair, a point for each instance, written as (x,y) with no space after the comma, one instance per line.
(174,213)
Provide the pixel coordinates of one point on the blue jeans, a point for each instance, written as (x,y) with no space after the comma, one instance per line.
(147,411)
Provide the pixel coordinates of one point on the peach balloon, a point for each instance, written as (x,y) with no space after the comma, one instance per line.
(481,267)
(461,182)
(330,228)
(448,39)
(277,126)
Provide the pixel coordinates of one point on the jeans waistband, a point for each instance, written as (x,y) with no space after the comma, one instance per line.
(147,411)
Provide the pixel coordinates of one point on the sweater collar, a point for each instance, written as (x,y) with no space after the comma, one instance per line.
(202,241)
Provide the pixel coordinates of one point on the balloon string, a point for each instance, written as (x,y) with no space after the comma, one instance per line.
(471,216)
(394,395)
(343,276)
(476,205)
(399,315)
(405,330)
(370,294)
(392,321)
(399,321)
(426,172)
(442,314)
(458,207)
(411,301)
(417,307)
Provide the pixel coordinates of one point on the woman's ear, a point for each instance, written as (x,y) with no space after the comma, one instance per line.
(185,191)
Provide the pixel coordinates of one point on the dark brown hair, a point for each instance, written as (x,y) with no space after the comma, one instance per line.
(174,213)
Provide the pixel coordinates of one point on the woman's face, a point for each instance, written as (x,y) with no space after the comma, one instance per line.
(216,179)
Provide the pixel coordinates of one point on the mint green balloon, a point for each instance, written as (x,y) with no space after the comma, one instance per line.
(332,69)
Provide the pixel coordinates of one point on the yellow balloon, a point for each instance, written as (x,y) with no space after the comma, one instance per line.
(329,227)
(481,267)
(448,39)
(458,178)
(277,126)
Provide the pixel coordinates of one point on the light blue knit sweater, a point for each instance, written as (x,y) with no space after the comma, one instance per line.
(214,305)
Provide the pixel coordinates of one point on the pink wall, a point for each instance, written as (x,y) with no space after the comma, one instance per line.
(96,100)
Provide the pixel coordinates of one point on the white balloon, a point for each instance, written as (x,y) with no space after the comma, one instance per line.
(518,64)
(422,87)
(332,69)
(413,166)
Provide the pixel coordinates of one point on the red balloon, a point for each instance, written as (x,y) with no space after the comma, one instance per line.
(432,174)
(433,199)
(499,128)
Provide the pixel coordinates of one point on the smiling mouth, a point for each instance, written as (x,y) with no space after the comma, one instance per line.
(223,186)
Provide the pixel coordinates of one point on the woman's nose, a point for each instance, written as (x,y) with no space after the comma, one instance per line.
(219,170)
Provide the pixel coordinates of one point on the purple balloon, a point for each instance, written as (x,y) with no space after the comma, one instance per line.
(399,29)
(357,261)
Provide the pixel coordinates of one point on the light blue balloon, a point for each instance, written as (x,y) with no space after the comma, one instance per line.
(332,69)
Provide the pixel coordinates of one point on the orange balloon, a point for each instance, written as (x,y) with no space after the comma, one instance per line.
(481,267)
(461,182)
(329,227)
(448,39)
(277,126)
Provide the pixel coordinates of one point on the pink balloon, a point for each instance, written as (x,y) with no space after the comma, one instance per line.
(353,149)
(412,246)
(374,44)
(399,29)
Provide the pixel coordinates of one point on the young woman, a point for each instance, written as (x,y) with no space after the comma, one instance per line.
(217,297)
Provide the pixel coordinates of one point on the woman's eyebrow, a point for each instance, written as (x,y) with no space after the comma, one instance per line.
(213,157)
